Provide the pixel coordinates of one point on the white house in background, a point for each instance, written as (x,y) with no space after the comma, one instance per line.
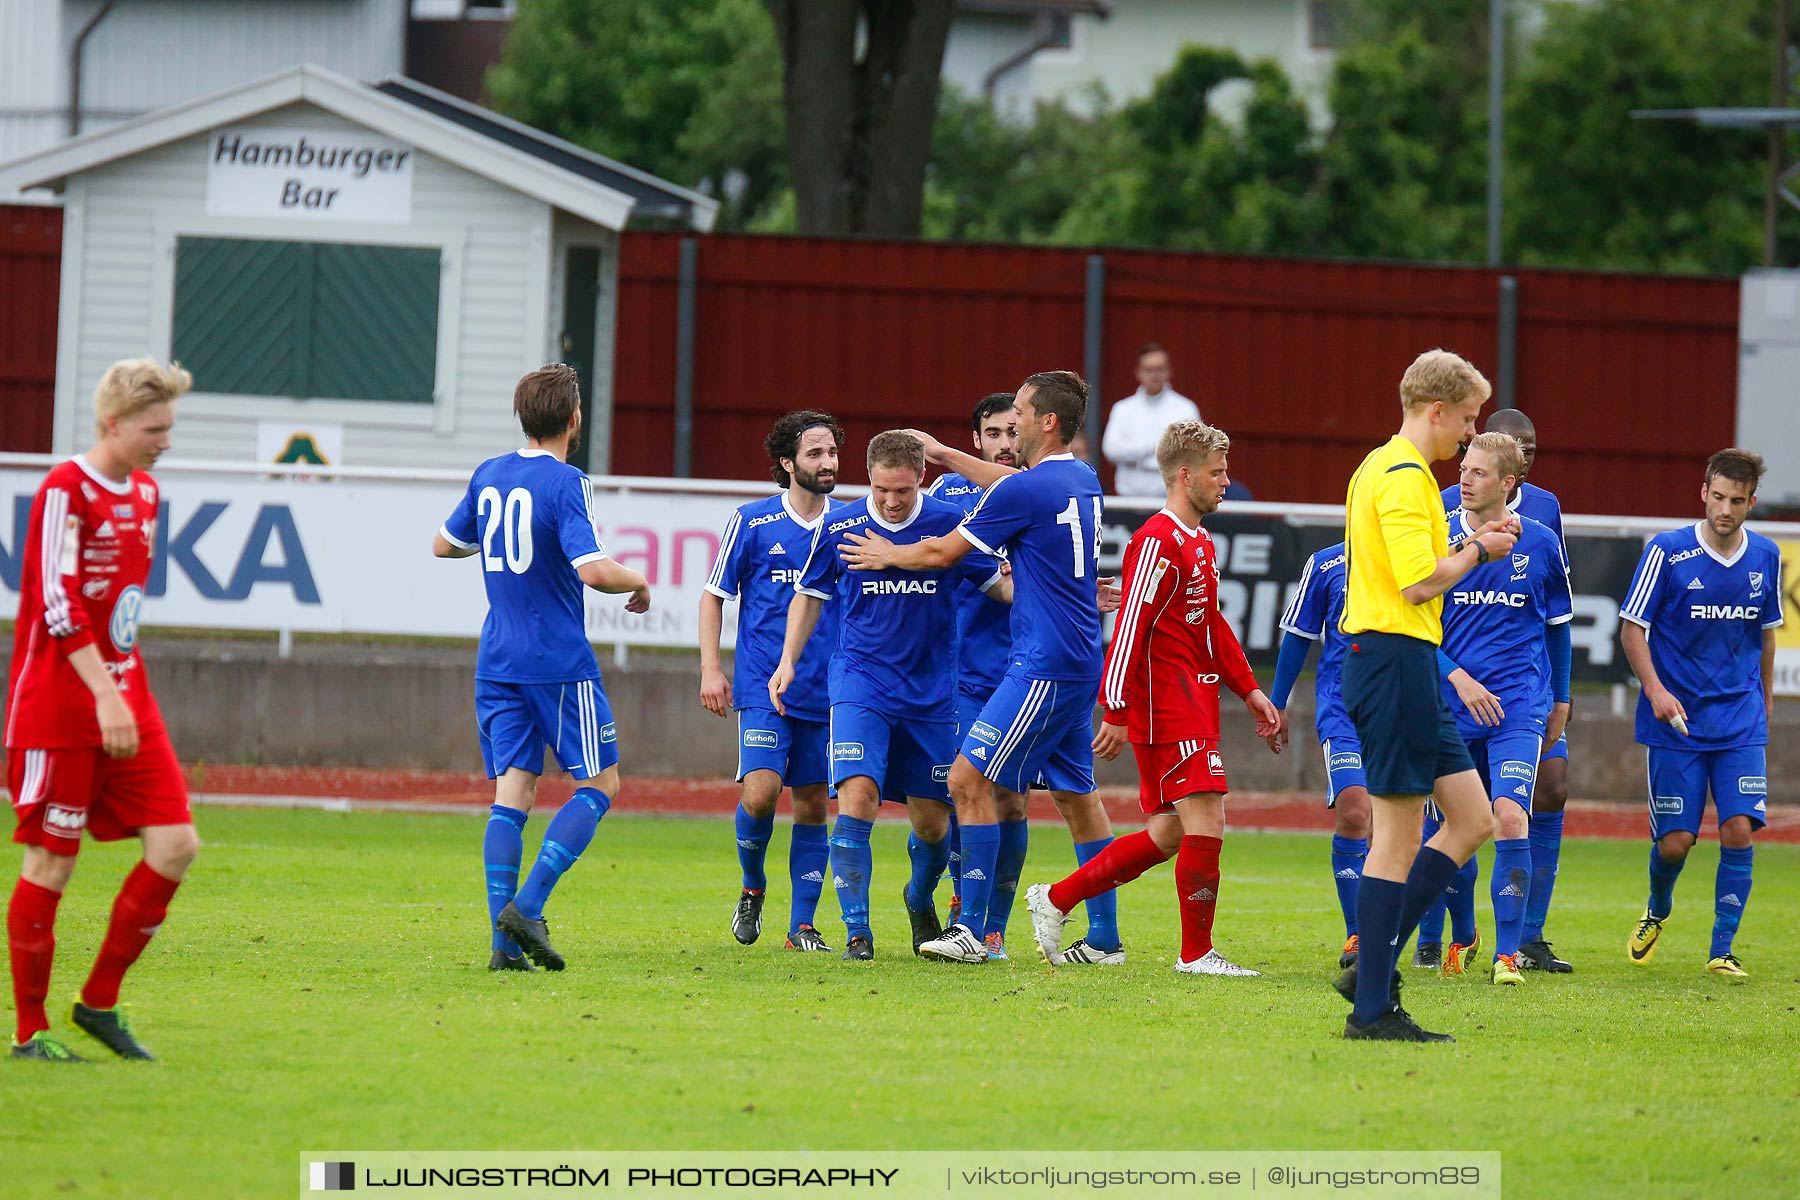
(1022,51)
(380,262)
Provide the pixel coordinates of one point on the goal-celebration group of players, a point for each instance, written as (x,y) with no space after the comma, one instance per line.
(942,647)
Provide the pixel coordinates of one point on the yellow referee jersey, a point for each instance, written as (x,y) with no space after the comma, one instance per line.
(1395,530)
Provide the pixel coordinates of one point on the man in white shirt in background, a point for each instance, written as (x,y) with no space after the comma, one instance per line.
(1136,424)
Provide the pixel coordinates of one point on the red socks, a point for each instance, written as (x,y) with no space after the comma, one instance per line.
(31,945)
(143,902)
(1120,863)
(1197,884)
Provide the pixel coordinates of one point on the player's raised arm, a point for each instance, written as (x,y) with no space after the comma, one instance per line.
(974,468)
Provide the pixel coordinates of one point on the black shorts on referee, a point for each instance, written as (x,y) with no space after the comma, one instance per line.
(1393,694)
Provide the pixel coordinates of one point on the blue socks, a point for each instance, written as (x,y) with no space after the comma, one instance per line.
(954,841)
(1509,887)
(980,859)
(753,847)
(928,862)
(570,831)
(1731,892)
(851,864)
(1546,851)
(1102,910)
(1008,866)
(1378,904)
(1459,901)
(502,846)
(1662,882)
(1347,856)
(808,860)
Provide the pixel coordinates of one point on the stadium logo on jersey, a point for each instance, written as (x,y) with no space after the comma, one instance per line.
(1684,556)
(764,738)
(941,774)
(96,589)
(1665,804)
(899,587)
(984,732)
(1753,785)
(1510,599)
(1340,762)
(124,627)
(1722,612)
(764,519)
(66,822)
(777,548)
(1514,769)
(848,524)
(1521,565)
(1694,585)
(609,733)
(846,751)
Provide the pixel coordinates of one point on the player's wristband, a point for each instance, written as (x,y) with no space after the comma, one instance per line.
(1482,557)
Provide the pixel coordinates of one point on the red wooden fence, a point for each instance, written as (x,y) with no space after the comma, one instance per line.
(30,267)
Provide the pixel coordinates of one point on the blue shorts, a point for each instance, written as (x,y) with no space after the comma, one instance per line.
(1679,780)
(1392,695)
(517,720)
(798,751)
(1036,732)
(903,755)
(1560,750)
(968,708)
(1343,766)
(1507,761)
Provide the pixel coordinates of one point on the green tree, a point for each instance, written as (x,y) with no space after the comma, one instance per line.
(686,89)
(1588,185)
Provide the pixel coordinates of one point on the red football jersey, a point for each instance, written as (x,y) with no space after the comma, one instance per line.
(1171,646)
(87,559)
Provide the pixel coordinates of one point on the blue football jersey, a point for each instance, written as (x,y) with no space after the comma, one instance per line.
(1704,615)
(1540,504)
(1494,619)
(761,553)
(1314,613)
(1048,521)
(530,518)
(983,624)
(896,646)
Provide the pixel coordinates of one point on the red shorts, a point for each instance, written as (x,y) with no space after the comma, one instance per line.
(58,793)
(1171,771)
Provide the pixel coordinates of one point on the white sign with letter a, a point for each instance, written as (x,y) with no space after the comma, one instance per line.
(313,174)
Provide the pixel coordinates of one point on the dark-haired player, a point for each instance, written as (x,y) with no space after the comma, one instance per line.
(529,518)
(763,548)
(1700,634)
(984,634)
(1038,725)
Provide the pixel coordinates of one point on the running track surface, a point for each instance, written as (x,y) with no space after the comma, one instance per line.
(363,787)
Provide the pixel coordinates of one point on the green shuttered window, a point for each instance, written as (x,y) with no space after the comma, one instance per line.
(322,320)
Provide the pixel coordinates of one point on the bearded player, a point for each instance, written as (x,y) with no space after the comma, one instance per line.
(85,742)
(1170,649)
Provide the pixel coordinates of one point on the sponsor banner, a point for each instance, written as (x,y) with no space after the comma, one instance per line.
(354,556)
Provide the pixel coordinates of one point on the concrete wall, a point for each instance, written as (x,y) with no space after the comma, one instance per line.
(351,706)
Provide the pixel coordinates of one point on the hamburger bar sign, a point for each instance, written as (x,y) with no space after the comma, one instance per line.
(309,174)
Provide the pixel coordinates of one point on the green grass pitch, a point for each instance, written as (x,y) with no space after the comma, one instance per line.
(321,983)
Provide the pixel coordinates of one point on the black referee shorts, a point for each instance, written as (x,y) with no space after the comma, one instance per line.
(1393,695)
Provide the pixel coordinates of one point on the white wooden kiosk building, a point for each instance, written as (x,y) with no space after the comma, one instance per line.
(376,263)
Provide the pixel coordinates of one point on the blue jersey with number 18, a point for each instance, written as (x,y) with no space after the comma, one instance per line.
(529,517)
(1047,519)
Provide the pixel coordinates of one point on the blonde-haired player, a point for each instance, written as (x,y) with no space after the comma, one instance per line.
(85,742)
